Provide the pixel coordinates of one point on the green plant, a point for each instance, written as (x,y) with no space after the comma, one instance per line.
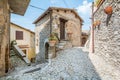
(52,37)
(13,42)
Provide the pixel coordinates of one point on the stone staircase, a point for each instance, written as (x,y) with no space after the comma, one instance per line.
(21,54)
(63,45)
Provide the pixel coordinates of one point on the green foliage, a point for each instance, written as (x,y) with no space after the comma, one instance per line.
(97,2)
(53,37)
(13,42)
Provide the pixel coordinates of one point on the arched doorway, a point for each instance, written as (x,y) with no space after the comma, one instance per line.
(83,41)
(46,50)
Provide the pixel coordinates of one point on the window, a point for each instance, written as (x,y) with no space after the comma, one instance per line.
(19,35)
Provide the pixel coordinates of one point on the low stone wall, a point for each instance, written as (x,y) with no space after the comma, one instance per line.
(107,37)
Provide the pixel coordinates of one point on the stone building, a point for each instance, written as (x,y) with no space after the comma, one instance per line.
(85,35)
(66,23)
(107,34)
(25,40)
(6,7)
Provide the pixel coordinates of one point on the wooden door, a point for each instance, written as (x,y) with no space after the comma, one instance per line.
(46,50)
(62,29)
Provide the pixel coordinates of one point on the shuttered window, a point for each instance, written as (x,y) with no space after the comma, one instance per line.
(19,35)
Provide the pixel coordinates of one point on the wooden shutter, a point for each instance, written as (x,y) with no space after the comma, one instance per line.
(19,35)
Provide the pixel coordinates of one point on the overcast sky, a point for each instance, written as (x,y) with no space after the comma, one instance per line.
(83,7)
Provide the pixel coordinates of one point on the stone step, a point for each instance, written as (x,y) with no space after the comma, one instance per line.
(61,44)
(60,47)
(63,41)
(12,53)
(21,54)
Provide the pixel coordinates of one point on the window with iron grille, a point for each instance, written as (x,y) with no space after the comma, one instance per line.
(19,35)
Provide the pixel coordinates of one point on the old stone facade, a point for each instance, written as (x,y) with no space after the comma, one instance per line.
(107,36)
(4,38)
(66,23)
(7,6)
(25,40)
(41,36)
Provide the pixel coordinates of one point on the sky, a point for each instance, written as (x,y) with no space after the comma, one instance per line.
(83,7)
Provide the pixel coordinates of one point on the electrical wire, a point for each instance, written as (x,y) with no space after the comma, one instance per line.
(37,7)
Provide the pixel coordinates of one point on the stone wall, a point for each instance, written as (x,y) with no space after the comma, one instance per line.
(4,36)
(39,26)
(43,35)
(28,40)
(107,37)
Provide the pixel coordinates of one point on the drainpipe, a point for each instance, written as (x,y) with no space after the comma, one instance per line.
(92,30)
(50,21)
(81,33)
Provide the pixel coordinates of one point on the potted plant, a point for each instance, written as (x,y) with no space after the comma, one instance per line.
(98,22)
(52,39)
(94,24)
(108,10)
(13,43)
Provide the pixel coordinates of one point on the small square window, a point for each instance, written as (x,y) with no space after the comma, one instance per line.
(19,35)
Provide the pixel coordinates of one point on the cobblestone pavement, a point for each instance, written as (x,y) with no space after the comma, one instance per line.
(70,64)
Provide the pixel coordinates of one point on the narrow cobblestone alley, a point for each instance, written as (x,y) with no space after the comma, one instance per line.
(70,64)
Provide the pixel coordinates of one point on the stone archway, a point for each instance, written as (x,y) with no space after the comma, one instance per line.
(46,50)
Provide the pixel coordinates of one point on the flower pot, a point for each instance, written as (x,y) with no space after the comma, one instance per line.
(52,43)
(108,10)
(98,22)
(94,24)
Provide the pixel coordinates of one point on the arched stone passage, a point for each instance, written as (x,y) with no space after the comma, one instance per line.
(46,50)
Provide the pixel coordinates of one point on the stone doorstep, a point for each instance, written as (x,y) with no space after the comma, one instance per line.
(62,43)
(60,47)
